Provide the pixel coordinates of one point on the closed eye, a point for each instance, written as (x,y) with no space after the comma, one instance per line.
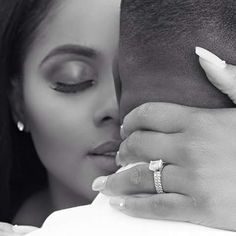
(73,88)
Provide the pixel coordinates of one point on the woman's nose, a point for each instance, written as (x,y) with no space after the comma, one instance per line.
(108,112)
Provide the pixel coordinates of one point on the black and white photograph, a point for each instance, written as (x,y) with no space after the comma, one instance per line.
(117,117)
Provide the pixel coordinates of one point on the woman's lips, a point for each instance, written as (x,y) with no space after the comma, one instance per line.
(107,148)
(103,155)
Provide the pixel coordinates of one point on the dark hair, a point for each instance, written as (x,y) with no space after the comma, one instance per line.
(4,131)
(171,22)
(159,37)
(24,173)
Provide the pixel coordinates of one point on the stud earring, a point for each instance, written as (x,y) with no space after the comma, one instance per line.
(20,126)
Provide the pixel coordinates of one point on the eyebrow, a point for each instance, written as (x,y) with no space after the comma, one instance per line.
(71,49)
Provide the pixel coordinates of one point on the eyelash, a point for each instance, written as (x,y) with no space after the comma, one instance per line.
(73,88)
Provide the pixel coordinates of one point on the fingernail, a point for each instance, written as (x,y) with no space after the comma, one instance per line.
(210,57)
(122,132)
(118,203)
(118,161)
(99,183)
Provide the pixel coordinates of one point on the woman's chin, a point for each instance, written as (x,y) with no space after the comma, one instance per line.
(104,163)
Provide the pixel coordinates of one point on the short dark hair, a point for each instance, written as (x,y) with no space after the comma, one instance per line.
(157,43)
(25,173)
(170,21)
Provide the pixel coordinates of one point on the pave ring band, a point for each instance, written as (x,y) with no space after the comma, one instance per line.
(157,167)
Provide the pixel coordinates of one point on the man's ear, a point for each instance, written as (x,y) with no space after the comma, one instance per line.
(17,102)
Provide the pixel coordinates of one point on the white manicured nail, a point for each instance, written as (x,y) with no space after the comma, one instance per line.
(118,203)
(210,57)
(99,184)
(122,132)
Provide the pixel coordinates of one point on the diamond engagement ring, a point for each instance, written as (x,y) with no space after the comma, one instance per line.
(157,167)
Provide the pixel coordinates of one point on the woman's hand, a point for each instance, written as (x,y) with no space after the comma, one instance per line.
(15,230)
(199,147)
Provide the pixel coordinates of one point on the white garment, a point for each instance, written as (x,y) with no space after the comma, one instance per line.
(100,219)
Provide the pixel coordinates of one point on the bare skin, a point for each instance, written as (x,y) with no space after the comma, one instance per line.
(199,145)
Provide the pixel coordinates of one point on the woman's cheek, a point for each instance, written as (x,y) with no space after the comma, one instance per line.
(58,132)
(63,131)
(63,152)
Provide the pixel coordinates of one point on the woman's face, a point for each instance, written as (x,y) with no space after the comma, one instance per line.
(69,96)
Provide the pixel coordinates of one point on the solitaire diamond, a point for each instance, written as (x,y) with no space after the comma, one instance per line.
(156,165)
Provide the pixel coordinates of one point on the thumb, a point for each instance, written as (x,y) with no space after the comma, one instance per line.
(220,74)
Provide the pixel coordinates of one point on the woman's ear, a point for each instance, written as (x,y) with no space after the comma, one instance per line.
(17,104)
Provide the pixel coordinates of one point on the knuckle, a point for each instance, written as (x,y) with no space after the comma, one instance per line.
(201,120)
(189,150)
(202,201)
(134,208)
(111,185)
(192,176)
(193,182)
(202,204)
(144,110)
(135,176)
(132,204)
(194,151)
(161,208)
(186,153)
(211,205)
(133,141)
(197,209)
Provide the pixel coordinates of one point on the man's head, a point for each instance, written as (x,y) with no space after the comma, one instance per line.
(157,60)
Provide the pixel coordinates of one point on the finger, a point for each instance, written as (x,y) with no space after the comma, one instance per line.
(146,146)
(169,206)
(140,180)
(220,74)
(161,117)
